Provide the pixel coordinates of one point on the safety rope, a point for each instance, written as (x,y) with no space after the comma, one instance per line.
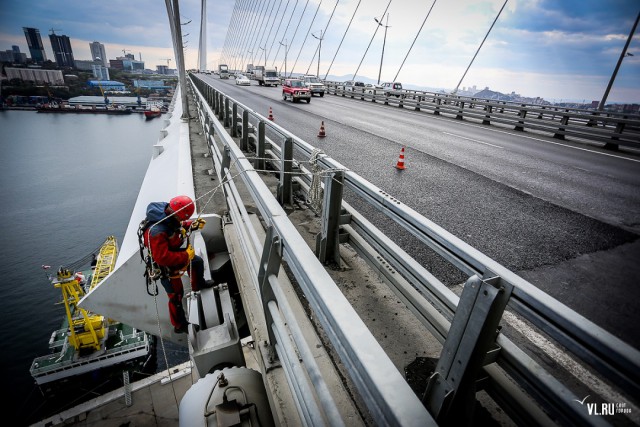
(316,193)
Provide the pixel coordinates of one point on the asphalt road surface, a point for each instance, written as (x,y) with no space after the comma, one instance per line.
(563,215)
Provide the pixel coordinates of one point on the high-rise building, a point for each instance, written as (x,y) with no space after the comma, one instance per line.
(98,53)
(61,46)
(36,48)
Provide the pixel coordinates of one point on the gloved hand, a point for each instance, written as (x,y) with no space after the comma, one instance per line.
(198,224)
(191,252)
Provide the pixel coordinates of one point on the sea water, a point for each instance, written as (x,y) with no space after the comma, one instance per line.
(67,182)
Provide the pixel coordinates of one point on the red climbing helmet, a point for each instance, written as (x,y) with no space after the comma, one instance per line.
(182,206)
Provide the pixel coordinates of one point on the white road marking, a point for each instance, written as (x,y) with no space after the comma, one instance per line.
(474,140)
(572,366)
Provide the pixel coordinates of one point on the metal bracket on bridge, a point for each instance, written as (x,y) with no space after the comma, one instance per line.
(269,266)
(244,141)
(328,240)
(470,345)
(285,189)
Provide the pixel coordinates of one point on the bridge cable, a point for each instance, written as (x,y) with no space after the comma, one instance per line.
(305,38)
(235,37)
(230,28)
(414,40)
(325,32)
(275,36)
(296,31)
(285,32)
(271,29)
(343,36)
(254,31)
(249,34)
(264,30)
(370,41)
(479,47)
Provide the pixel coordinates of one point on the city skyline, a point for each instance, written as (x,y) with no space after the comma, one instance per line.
(552,49)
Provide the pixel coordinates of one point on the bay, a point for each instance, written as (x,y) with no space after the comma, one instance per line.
(67,182)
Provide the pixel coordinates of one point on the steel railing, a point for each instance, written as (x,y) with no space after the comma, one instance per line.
(490,355)
(610,128)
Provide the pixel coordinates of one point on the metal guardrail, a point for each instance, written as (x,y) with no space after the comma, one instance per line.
(474,355)
(613,129)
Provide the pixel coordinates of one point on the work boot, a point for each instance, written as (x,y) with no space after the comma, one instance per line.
(181,330)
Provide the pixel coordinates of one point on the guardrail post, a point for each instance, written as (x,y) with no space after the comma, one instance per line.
(460,116)
(418,103)
(234,120)
(487,117)
(226,113)
(401,102)
(618,131)
(328,240)
(436,112)
(260,147)
(244,142)
(450,393)
(386,99)
(520,125)
(269,265)
(285,193)
(564,121)
(219,105)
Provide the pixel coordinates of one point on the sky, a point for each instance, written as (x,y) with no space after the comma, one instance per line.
(555,49)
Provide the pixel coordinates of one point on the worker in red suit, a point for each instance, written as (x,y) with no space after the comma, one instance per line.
(165,237)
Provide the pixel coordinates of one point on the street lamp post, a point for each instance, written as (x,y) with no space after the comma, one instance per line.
(285,56)
(383,43)
(319,49)
(265,54)
(615,71)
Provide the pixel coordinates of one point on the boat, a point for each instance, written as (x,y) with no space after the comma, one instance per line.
(153,110)
(81,109)
(87,342)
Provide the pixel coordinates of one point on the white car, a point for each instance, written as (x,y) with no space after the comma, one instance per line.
(243,81)
(373,89)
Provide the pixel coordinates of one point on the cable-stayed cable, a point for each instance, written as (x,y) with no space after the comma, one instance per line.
(343,36)
(275,37)
(284,33)
(271,29)
(480,47)
(244,49)
(325,32)
(370,41)
(414,40)
(297,26)
(305,38)
(258,17)
(264,30)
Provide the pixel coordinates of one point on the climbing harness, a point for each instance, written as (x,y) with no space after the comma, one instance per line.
(152,272)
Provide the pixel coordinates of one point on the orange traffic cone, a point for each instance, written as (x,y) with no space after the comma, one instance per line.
(400,164)
(321,134)
(270,114)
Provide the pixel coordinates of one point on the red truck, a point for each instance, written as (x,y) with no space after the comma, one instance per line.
(295,90)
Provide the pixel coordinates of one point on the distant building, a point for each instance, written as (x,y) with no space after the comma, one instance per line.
(162,69)
(36,48)
(98,53)
(100,72)
(107,85)
(37,75)
(86,65)
(151,84)
(116,64)
(61,46)
(13,56)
